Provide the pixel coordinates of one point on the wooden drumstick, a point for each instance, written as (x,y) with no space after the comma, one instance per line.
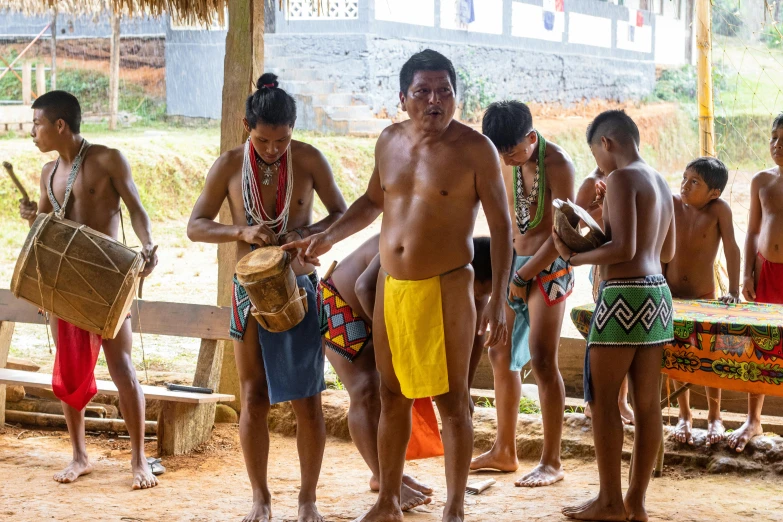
(141,283)
(329,272)
(10,169)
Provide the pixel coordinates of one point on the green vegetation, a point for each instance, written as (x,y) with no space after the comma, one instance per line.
(484,402)
(529,406)
(476,94)
(726,18)
(773,36)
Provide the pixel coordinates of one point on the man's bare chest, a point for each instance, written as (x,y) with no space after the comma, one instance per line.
(771,198)
(90,187)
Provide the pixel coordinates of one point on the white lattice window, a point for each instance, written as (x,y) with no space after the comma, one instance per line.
(329,9)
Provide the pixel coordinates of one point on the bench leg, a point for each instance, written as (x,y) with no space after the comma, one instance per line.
(6,332)
(183,426)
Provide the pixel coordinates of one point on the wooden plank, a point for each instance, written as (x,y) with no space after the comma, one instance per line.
(47,420)
(6,333)
(157,317)
(42,380)
(27,82)
(182,427)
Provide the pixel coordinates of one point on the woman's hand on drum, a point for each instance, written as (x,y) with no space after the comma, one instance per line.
(310,248)
(260,235)
(151,259)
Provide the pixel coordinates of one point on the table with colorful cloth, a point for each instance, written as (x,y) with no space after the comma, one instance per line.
(733,347)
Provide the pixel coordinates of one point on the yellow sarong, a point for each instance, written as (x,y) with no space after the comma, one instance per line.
(413,313)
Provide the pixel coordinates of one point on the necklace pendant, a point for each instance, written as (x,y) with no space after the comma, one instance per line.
(267,176)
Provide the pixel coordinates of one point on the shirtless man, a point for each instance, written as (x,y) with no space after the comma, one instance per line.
(702,220)
(431,173)
(626,340)
(273,367)
(541,283)
(103,179)
(590,197)
(346,301)
(763,271)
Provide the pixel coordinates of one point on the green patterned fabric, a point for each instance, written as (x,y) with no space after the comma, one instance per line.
(633,312)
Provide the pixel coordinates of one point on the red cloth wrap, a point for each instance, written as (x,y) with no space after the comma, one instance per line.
(73,379)
(425,439)
(770,287)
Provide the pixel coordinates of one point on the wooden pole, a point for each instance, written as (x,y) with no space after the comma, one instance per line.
(53,75)
(27,83)
(243,64)
(40,79)
(704,48)
(114,71)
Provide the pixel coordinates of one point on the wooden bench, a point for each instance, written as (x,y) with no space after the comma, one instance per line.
(185,418)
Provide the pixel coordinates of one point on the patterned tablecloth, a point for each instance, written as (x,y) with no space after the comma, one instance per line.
(734,347)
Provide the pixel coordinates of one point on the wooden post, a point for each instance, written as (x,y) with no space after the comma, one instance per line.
(27,83)
(114,71)
(40,79)
(704,48)
(183,426)
(6,332)
(243,65)
(53,75)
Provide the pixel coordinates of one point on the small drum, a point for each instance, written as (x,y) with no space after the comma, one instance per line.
(269,280)
(78,274)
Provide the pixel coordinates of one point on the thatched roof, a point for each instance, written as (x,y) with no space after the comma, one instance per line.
(205,11)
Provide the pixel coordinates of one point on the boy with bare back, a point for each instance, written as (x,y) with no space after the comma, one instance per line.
(431,173)
(633,316)
(541,171)
(702,220)
(271,182)
(88,182)
(763,276)
(590,197)
(346,303)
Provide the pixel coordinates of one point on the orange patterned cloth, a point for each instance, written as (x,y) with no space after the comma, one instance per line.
(735,347)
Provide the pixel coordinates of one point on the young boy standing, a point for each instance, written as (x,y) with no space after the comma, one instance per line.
(633,317)
(763,281)
(703,221)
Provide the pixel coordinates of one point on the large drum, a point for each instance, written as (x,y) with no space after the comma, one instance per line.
(79,275)
(269,280)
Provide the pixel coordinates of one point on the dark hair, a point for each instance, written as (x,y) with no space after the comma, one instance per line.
(426,60)
(482,261)
(61,105)
(616,125)
(270,104)
(778,121)
(506,123)
(712,171)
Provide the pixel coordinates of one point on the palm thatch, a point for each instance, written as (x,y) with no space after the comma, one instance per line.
(189,11)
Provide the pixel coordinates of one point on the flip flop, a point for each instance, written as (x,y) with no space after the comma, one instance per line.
(155,466)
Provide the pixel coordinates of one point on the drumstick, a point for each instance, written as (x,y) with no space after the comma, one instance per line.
(329,272)
(10,169)
(141,283)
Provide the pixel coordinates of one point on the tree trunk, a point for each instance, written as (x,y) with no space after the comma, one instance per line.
(114,71)
(53,78)
(690,7)
(244,63)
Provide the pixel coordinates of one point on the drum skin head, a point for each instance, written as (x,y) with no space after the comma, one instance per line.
(262,263)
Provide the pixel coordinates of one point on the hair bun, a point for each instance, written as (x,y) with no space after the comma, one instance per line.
(267,80)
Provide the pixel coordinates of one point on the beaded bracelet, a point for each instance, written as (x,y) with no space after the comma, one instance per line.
(518,281)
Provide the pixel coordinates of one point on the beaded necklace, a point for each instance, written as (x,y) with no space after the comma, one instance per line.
(537,192)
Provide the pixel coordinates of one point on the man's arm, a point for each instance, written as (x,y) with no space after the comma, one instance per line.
(730,247)
(621,200)
(669,247)
(202,226)
(587,194)
(122,180)
(560,178)
(492,195)
(752,241)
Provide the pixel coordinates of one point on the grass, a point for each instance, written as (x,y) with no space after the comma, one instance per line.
(529,406)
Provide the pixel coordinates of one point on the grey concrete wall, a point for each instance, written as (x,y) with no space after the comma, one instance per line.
(15,25)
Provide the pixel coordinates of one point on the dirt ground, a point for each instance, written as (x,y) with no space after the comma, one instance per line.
(211,485)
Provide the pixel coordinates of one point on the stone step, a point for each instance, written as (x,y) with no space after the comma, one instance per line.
(371,127)
(311,87)
(350,112)
(337,99)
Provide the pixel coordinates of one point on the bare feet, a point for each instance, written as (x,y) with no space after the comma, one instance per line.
(541,476)
(626,412)
(261,512)
(375,484)
(410,498)
(142,476)
(683,432)
(495,460)
(381,514)
(635,513)
(309,513)
(739,438)
(74,470)
(597,509)
(715,432)
(588,411)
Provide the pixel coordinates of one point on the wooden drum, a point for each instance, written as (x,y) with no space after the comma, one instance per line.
(78,274)
(266,274)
